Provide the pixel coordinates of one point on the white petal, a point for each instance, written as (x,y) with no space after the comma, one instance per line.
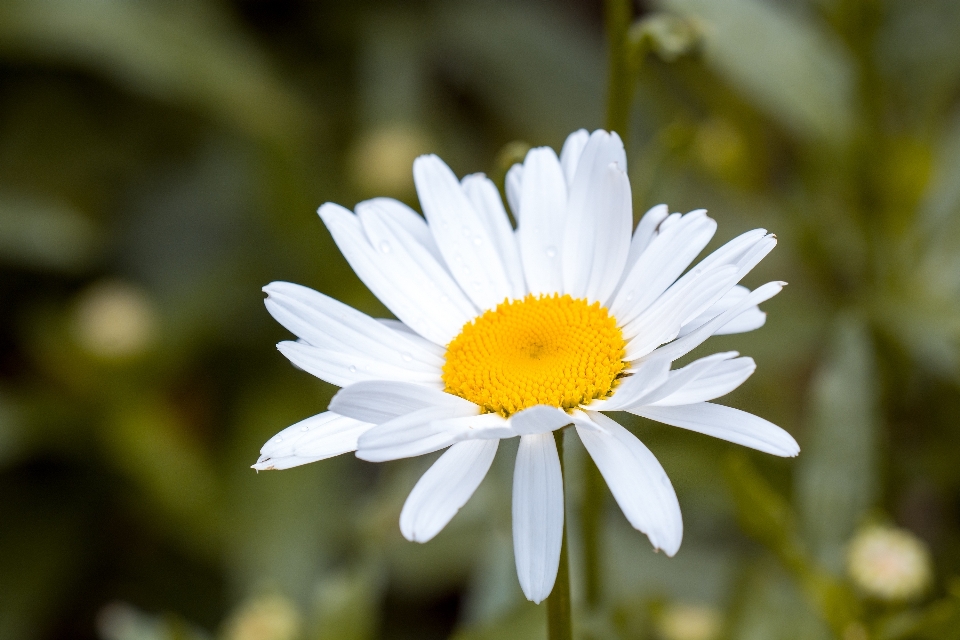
(316,438)
(748,320)
(266,463)
(328,324)
(571,152)
(392,241)
(444,488)
(755,253)
(513,185)
(410,220)
(598,221)
(729,299)
(720,380)
(727,424)
(597,231)
(486,200)
(412,336)
(743,252)
(689,342)
(648,375)
(401,273)
(543,201)
(342,369)
(637,481)
(661,264)
(537,515)
(468,248)
(539,419)
(379,401)
(414,434)
(661,321)
(736,250)
(685,376)
(644,234)
(669,221)
(486,426)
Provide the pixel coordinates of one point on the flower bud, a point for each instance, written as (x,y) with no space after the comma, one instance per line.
(889,564)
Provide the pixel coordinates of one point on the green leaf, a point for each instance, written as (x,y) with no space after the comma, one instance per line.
(837,473)
(780,60)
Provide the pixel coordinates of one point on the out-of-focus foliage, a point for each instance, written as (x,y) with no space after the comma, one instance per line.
(161,161)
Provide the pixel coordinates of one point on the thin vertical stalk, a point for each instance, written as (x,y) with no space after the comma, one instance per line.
(591,514)
(559,626)
(619,87)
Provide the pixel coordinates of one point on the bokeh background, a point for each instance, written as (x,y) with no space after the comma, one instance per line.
(161,160)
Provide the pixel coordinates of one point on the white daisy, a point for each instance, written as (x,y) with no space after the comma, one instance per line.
(505,333)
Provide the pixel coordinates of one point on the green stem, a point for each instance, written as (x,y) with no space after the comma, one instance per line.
(559,626)
(620,87)
(591,514)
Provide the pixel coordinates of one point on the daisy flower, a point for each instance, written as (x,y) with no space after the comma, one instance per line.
(504,333)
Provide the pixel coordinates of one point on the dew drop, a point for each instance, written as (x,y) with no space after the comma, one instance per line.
(353,369)
(406,356)
(551,252)
(304,428)
(477,241)
(384,246)
(629,297)
(279,438)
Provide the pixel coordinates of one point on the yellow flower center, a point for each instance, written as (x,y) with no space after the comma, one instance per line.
(551,350)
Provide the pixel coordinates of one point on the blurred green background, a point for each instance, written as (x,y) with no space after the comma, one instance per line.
(160,161)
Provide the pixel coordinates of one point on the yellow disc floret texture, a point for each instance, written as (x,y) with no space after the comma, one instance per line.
(553,350)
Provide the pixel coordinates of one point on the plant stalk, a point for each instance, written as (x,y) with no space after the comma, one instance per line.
(559,625)
(619,87)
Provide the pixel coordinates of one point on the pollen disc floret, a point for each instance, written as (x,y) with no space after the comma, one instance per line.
(553,350)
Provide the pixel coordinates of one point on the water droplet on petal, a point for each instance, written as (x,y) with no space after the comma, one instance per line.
(551,252)
(353,369)
(304,428)
(406,356)
(477,241)
(279,438)
(384,246)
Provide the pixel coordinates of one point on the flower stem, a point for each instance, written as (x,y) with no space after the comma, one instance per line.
(559,626)
(591,514)
(620,86)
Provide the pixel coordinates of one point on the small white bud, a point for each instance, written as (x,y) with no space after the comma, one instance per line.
(268,617)
(889,564)
(680,621)
(114,319)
